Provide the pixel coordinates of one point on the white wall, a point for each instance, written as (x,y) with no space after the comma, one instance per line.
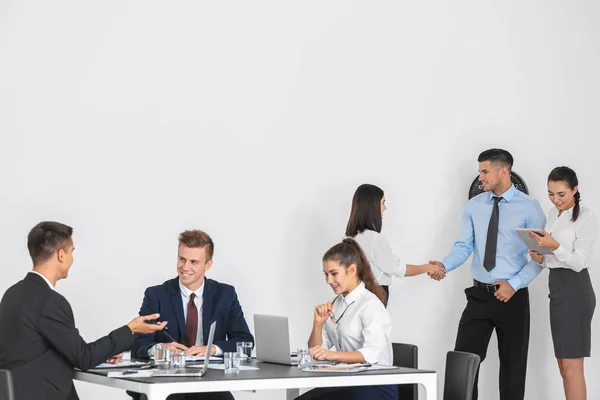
(255,121)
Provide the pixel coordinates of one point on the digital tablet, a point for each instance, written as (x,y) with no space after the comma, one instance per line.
(530,242)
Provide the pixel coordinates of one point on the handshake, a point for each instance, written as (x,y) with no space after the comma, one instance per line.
(436,270)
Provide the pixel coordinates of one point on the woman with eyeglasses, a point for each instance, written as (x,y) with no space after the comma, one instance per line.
(355,323)
(364,225)
(574,229)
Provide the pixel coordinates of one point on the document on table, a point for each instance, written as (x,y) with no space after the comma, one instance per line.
(342,367)
(123,364)
(138,373)
(222,367)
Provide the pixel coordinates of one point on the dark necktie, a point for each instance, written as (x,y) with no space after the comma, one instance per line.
(191,323)
(489,259)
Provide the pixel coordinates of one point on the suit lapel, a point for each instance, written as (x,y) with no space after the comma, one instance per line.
(178,306)
(207,306)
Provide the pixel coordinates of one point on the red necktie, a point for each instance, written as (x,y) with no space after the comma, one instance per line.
(191,323)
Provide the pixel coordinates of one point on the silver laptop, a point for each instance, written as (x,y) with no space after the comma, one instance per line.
(188,371)
(273,339)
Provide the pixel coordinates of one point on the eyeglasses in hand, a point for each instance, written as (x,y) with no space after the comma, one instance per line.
(334,319)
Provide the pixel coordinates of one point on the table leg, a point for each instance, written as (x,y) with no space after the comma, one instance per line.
(291,394)
(157,394)
(430,384)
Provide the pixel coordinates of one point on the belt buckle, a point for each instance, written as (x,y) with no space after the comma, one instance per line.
(491,288)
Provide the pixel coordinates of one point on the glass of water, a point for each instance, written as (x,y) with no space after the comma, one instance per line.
(304,358)
(162,356)
(245,350)
(231,361)
(178,358)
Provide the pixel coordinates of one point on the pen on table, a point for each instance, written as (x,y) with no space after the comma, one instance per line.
(129,372)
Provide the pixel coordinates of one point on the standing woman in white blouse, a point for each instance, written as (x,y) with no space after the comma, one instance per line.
(354,327)
(364,225)
(570,233)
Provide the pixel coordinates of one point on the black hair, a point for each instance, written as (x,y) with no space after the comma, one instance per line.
(365,213)
(567,175)
(46,238)
(497,156)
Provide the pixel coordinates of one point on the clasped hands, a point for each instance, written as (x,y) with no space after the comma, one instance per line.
(436,270)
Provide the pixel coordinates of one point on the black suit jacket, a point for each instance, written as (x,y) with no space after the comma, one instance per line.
(40,345)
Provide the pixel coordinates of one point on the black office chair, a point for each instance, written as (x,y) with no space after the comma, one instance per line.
(6,385)
(406,355)
(461,370)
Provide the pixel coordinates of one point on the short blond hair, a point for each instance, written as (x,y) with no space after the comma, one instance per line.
(197,238)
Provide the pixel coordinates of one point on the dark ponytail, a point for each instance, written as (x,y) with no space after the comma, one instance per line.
(567,175)
(576,209)
(348,252)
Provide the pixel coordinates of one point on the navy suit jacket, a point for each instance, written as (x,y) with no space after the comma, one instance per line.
(219,303)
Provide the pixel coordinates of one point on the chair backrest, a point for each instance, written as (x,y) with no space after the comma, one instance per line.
(6,385)
(406,355)
(461,370)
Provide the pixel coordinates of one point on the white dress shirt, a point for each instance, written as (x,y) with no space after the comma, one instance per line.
(576,239)
(365,326)
(44,278)
(384,262)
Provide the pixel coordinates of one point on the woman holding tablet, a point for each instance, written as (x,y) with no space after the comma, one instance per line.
(572,300)
(355,322)
(364,225)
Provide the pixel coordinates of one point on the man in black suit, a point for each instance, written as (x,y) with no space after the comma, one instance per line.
(39,343)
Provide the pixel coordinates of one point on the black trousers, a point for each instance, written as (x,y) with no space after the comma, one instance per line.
(387,294)
(483,314)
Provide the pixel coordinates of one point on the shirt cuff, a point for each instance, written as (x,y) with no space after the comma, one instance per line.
(560,253)
(151,351)
(401,270)
(516,282)
(369,354)
(448,264)
(219,352)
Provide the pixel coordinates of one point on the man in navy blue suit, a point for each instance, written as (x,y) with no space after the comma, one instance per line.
(190,303)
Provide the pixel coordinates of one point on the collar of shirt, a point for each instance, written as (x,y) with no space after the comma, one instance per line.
(355,294)
(44,278)
(566,212)
(187,292)
(506,196)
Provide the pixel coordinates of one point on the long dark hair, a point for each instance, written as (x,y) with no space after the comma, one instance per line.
(348,252)
(366,210)
(567,175)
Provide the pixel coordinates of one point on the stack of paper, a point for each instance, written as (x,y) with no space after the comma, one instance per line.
(138,373)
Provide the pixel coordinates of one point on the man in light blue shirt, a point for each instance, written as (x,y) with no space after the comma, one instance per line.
(499,298)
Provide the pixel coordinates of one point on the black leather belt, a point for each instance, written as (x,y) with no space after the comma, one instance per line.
(488,287)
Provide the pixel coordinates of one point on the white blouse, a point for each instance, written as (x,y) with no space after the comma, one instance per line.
(364,325)
(576,239)
(384,262)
